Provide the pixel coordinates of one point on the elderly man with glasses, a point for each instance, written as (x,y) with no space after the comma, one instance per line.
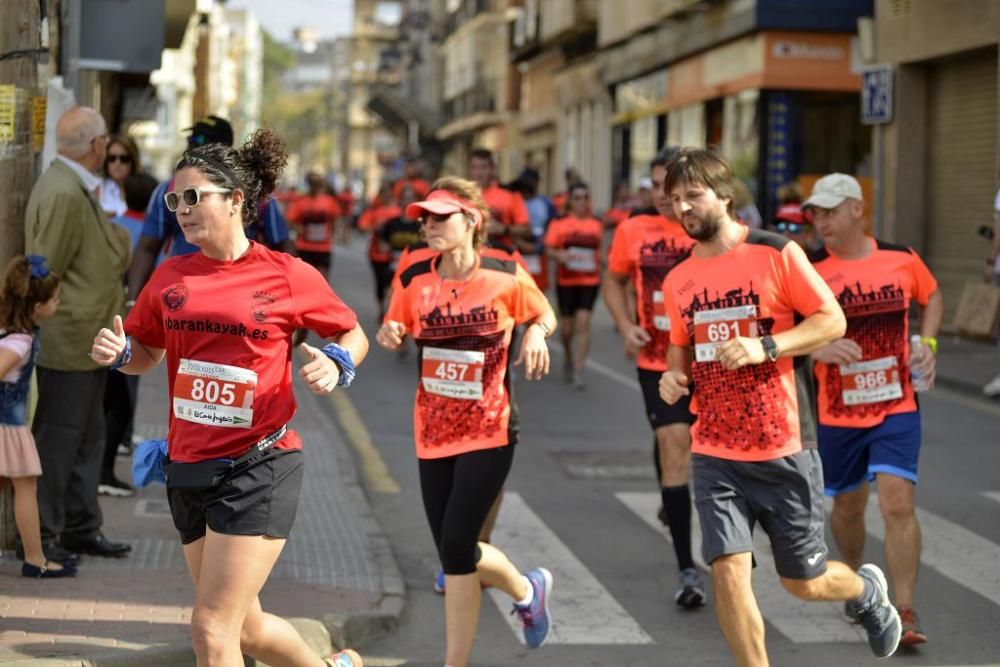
(66,224)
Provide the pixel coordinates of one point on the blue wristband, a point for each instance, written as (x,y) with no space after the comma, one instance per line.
(342,358)
(125,357)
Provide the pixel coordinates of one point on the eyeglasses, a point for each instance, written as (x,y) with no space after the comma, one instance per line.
(790,227)
(435,217)
(191,196)
(124,158)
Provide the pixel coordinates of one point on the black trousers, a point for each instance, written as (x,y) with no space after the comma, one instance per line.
(69,434)
(121,395)
(458,493)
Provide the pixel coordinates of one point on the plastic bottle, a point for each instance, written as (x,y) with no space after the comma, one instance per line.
(916,352)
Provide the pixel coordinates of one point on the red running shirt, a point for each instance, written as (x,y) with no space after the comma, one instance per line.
(506,207)
(581,239)
(755,289)
(313,219)
(875,293)
(463,330)
(226,328)
(645,248)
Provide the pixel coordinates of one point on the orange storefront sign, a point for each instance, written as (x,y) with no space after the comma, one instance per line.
(767,60)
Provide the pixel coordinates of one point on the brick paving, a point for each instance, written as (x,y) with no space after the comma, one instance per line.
(116,608)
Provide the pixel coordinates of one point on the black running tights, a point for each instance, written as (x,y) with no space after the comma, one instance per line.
(458,492)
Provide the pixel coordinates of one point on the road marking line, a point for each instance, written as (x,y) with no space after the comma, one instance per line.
(373,467)
(606,371)
(583,611)
(992,495)
(956,552)
(801,622)
(965,400)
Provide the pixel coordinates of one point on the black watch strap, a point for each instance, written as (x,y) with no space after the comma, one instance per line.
(770,348)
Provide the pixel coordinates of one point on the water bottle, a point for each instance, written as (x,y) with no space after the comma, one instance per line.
(917,351)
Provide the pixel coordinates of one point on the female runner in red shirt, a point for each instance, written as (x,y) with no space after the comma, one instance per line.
(461,308)
(224,319)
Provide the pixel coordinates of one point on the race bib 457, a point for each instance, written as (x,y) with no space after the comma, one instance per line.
(453,373)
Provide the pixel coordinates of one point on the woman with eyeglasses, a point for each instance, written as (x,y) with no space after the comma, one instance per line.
(575,243)
(121,161)
(461,308)
(224,318)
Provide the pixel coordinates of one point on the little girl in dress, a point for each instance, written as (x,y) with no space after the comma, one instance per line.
(29,293)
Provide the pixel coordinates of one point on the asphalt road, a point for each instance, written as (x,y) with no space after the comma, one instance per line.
(581,500)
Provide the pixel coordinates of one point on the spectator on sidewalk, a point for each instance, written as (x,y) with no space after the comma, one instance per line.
(65,224)
(121,162)
(234,492)
(992,388)
(122,391)
(29,294)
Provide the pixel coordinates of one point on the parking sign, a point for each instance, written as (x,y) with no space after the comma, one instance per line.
(876,95)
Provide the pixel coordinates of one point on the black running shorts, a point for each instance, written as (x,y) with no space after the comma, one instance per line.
(784,496)
(259,497)
(658,412)
(574,298)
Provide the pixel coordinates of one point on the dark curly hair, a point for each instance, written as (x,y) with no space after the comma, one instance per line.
(254,168)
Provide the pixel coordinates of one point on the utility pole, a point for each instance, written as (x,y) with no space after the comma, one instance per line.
(20,53)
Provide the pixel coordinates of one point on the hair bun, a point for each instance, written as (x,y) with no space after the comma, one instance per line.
(264,155)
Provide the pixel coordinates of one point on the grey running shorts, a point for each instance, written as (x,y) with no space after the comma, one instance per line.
(785,496)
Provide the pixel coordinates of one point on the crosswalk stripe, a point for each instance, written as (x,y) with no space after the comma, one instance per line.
(801,622)
(583,611)
(992,495)
(956,552)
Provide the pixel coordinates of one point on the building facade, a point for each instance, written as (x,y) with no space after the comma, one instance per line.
(942,145)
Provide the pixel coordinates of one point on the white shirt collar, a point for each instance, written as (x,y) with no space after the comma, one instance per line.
(90,180)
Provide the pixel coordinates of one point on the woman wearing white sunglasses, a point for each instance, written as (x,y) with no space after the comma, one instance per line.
(224,319)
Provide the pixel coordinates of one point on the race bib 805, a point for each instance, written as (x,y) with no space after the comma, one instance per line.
(214,394)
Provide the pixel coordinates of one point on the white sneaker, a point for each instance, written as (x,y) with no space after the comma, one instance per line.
(992,388)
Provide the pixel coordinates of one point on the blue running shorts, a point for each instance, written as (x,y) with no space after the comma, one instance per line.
(853,456)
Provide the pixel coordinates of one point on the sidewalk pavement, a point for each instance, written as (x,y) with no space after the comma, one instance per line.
(966,365)
(336,579)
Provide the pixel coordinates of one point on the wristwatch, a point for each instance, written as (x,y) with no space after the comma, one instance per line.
(770,348)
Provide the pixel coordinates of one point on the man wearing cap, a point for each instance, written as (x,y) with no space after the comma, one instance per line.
(791,222)
(161,229)
(869,422)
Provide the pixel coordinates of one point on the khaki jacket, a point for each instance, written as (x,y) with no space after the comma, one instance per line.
(65,224)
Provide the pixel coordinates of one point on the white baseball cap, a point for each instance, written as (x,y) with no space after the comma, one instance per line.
(646,183)
(832,189)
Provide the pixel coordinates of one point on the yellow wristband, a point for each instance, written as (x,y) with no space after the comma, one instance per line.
(931,342)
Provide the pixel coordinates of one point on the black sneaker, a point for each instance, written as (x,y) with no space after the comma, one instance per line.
(878,617)
(115,488)
(851,611)
(691,593)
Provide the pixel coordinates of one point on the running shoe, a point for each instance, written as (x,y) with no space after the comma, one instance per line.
(439,582)
(535,615)
(691,594)
(345,658)
(851,611)
(878,617)
(912,634)
(992,388)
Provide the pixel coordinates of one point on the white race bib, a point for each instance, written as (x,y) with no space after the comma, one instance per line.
(660,320)
(579,259)
(714,327)
(453,373)
(214,394)
(316,232)
(534,264)
(871,381)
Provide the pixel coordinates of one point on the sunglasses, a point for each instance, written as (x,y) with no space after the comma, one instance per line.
(790,227)
(435,217)
(124,159)
(190,196)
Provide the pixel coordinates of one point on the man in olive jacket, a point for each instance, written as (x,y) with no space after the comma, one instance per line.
(66,225)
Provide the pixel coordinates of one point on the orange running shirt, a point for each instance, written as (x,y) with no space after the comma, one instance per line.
(645,248)
(463,330)
(506,207)
(755,289)
(581,239)
(420,252)
(420,187)
(875,293)
(313,219)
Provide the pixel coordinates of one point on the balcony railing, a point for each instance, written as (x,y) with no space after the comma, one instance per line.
(481,98)
(466,11)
